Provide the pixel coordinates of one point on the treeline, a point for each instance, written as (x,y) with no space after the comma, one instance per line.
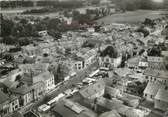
(131,5)
(56,4)
(13,4)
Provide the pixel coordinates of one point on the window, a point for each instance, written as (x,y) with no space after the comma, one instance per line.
(152,96)
(146,77)
(107,59)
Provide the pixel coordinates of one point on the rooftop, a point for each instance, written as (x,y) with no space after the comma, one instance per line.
(156,73)
(3,97)
(42,77)
(67,108)
(109,51)
(152,88)
(93,89)
(162,95)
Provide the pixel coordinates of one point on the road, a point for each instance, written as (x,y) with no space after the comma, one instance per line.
(68,84)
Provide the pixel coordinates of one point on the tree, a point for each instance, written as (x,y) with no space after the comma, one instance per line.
(6,27)
(8,57)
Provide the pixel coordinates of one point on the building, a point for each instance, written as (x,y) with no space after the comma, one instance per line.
(47,78)
(36,68)
(30,50)
(159,75)
(126,111)
(89,57)
(8,104)
(47,48)
(151,90)
(67,108)
(77,63)
(161,99)
(157,62)
(110,58)
(24,93)
(89,94)
(4,108)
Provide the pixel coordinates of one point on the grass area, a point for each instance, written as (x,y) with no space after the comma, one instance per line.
(131,17)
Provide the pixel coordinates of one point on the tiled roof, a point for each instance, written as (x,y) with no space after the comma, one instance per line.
(42,77)
(3,97)
(21,90)
(156,73)
(152,88)
(93,89)
(162,95)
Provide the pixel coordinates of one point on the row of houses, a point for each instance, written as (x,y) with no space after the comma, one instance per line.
(23,91)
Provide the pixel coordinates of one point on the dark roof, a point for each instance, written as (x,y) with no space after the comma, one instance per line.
(30,114)
(3,97)
(21,90)
(109,51)
(17,114)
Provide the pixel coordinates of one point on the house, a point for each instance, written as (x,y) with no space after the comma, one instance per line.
(151,90)
(67,108)
(38,90)
(77,63)
(4,107)
(48,80)
(132,63)
(157,62)
(28,94)
(110,58)
(24,93)
(8,104)
(89,57)
(47,48)
(92,92)
(126,111)
(143,64)
(30,50)
(36,68)
(161,99)
(159,75)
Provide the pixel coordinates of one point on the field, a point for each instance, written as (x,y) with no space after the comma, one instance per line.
(131,17)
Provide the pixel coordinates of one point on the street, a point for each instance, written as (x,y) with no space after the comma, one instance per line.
(67,85)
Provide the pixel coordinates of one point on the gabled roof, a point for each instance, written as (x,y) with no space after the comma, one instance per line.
(156,73)
(42,77)
(70,111)
(93,89)
(162,95)
(3,97)
(22,90)
(152,88)
(109,51)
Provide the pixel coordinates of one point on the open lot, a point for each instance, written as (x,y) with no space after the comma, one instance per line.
(131,17)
